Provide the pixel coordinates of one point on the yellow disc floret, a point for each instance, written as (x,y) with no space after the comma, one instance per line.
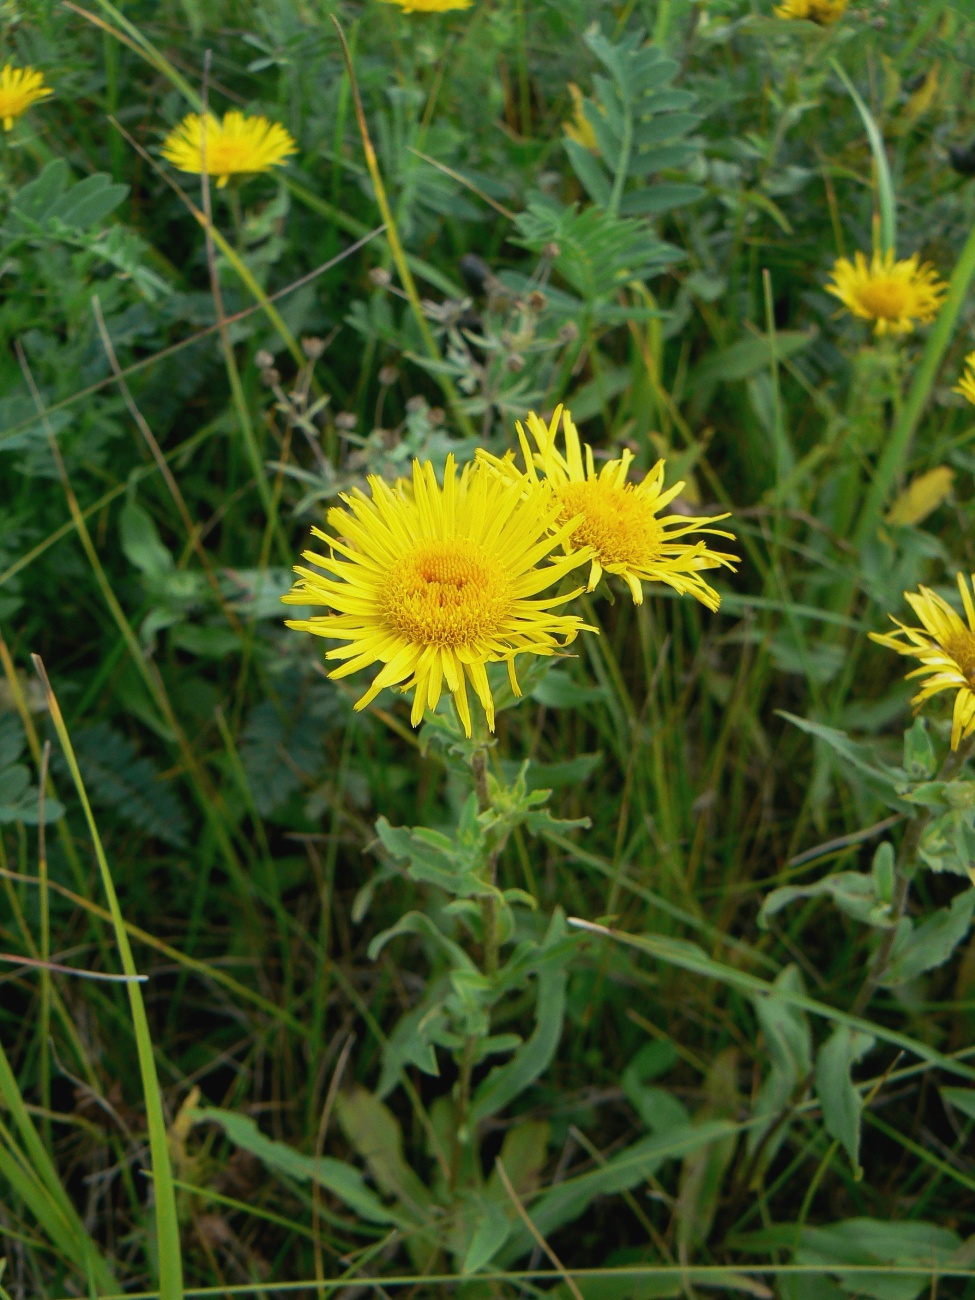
(619,522)
(945,646)
(237,146)
(434,583)
(19,88)
(894,295)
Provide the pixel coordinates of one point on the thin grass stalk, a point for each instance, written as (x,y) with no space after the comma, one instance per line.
(396,248)
(886,201)
(897,447)
(167,1223)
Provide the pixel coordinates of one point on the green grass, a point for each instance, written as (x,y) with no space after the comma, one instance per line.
(158,477)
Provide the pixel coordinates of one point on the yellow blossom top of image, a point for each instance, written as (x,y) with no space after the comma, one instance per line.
(433,583)
(579,128)
(823,12)
(617,522)
(429,6)
(945,646)
(238,146)
(966,383)
(19,88)
(894,295)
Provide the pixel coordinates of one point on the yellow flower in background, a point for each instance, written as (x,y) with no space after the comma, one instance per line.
(922,496)
(237,146)
(945,646)
(579,128)
(894,295)
(617,522)
(19,88)
(435,583)
(966,384)
(429,6)
(823,12)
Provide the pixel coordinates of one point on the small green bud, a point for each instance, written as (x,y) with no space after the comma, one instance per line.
(883,872)
(960,795)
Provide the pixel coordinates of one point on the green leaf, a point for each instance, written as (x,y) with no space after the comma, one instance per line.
(948,843)
(888,781)
(841,1101)
(374,1131)
(141,543)
(788,1044)
(557,690)
(589,170)
(920,760)
(747,357)
(490,1235)
(567,1200)
(336,1176)
(88,202)
(962,1098)
(932,943)
(533,1058)
(873,1241)
(853,892)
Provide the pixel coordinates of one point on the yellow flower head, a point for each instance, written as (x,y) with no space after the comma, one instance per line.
(823,12)
(430,6)
(617,522)
(892,294)
(19,88)
(579,128)
(237,146)
(434,583)
(966,384)
(945,646)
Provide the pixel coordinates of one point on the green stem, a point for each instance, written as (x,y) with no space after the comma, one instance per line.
(906,862)
(895,452)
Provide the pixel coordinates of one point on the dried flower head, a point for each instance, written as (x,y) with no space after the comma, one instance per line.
(237,146)
(894,295)
(19,88)
(945,646)
(434,583)
(617,522)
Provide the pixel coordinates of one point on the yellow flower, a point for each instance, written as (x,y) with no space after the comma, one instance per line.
(891,293)
(823,12)
(615,520)
(580,128)
(237,146)
(429,6)
(19,88)
(945,645)
(922,496)
(966,384)
(434,583)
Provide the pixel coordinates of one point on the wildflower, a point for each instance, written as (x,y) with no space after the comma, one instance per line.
(19,88)
(435,583)
(579,128)
(922,496)
(966,384)
(823,12)
(237,146)
(618,522)
(891,293)
(945,646)
(429,6)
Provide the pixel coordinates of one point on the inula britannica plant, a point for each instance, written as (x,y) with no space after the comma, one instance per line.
(487,649)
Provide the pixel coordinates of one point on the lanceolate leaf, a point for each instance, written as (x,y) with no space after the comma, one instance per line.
(840,1100)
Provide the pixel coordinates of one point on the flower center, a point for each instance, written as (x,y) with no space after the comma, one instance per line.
(884,298)
(446,593)
(961,647)
(617,523)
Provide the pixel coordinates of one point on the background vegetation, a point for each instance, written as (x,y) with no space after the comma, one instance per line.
(203,400)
